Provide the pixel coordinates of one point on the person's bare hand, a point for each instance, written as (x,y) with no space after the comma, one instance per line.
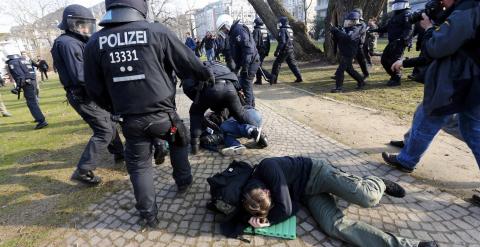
(426,23)
(397,66)
(256,223)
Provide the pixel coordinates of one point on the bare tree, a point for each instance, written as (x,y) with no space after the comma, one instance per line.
(161,12)
(306,6)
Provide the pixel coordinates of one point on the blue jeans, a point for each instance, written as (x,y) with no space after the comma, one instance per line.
(233,130)
(210,54)
(425,128)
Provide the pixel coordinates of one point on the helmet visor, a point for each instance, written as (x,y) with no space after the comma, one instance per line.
(82,26)
(400,6)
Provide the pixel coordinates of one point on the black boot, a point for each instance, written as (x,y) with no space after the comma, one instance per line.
(298,80)
(476,199)
(87,177)
(336,90)
(391,159)
(394,82)
(398,144)
(393,189)
(195,145)
(273,80)
(427,244)
(360,85)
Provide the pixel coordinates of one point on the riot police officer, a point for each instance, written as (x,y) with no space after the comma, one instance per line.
(67,52)
(128,71)
(243,51)
(262,40)
(20,71)
(399,34)
(285,52)
(348,40)
(361,56)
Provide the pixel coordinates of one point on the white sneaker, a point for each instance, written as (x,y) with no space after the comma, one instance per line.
(235,150)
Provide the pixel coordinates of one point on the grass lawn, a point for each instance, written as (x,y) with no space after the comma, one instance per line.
(36,194)
(401,101)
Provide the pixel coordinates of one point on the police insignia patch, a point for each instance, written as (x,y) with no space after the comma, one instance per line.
(239,38)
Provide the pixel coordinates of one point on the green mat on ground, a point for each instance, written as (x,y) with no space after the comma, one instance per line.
(286,229)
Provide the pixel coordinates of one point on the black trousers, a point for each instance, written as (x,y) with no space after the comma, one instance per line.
(44,73)
(222,95)
(362,62)
(288,56)
(260,69)
(139,153)
(246,80)
(105,133)
(391,54)
(346,65)
(30,93)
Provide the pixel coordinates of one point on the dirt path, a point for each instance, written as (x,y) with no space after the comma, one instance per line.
(448,163)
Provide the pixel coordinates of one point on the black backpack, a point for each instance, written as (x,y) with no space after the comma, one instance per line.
(226,188)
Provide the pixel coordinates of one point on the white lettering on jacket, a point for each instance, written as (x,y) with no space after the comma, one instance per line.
(123,39)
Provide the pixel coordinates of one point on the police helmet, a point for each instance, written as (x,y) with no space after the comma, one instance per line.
(78,19)
(283,21)
(224,22)
(258,21)
(353,18)
(124,11)
(400,5)
(11,51)
(359,11)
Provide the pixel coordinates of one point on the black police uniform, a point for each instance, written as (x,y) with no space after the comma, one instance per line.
(222,94)
(67,53)
(399,34)
(20,70)
(285,52)
(262,41)
(227,54)
(245,55)
(128,66)
(348,40)
(361,56)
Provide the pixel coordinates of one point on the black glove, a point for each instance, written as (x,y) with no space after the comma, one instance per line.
(276,53)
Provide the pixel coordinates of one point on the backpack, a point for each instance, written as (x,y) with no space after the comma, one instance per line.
(226,188)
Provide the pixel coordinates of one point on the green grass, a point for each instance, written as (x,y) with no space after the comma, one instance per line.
(36,195)
(401,101)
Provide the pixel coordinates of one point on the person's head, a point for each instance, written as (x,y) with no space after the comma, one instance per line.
(258,21)
(224,23)
(11,51)
(188,34)
(79,20)
(124,11)
(398,5)
(258,202)
(283,21)
(359,11)
(352,19)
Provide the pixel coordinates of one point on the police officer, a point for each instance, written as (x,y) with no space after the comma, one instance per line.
(399,34)
(243,51)
(348,40)
(361,56)
(67,52)
(20,71)
(221,94)
(128,70)
(285,52)
(262,40)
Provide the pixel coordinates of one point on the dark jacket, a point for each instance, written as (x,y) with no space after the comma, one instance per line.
(133,74)
(67,53)
(43,65)
(208,43)
(285,39)
(19,70)
(398,27)
(452,82)
(242,45)
(262,39)
(286,178)
(190,43)
(348,40)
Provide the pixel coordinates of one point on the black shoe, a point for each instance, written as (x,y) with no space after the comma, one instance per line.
(391,159)
(393,189)
(365,77)
(333,77)
(298,80)
(41,125)
(360,85)
(152,223)
(398,144)
(258,83)
(259,137)
(86,177)
(427,244)
(119,158)
(336,90)
(182,189)
(393,83)
(476,199)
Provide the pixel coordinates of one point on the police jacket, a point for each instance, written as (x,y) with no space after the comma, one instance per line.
(452,81)
(262,39)
(398,27)
(242,45)
(348,40)
(129,67)
(285,39)
(67,53)
(18,68)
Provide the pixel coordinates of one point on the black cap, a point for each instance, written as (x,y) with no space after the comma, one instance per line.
(284,20)
(258,21)
(75,11)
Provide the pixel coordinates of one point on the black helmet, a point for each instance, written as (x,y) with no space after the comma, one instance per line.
(258,21)
(359,11)
(79,20)
(283,20)
(123,11)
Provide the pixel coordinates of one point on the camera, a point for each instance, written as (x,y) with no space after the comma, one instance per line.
(433,9)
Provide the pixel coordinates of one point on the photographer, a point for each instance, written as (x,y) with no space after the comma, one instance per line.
(452,83)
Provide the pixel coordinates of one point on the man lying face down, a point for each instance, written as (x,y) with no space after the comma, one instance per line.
(278,186)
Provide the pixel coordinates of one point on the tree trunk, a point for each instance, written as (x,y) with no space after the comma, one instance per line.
(305,49)
(337,9)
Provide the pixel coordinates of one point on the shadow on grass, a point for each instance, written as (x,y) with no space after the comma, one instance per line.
(28,126)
